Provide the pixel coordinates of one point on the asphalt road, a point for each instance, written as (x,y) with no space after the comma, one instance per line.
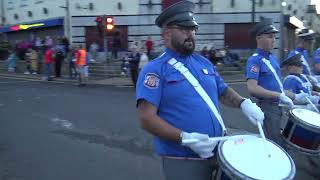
(60,131)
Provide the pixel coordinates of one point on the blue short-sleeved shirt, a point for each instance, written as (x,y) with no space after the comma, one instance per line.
(316,56)
(295,83)
(177,101)
(304,54)
(258,70)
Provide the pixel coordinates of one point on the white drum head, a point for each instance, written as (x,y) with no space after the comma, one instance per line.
(307,116)
(248,156)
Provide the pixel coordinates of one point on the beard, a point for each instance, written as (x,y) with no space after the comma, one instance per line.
(185,48)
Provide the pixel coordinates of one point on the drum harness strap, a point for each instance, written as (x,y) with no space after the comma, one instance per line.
(304,61)
(197,86)
(274,73)
(308,83)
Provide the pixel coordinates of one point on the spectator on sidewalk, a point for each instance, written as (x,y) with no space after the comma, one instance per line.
(49,60)
(205,52)
(28,61)
(212,56)
(34,60)
(80,64)
(149,46)
(134,59)
(59,59)
(72,59)
(230,59)
(144,59)
(12,61)
(93,49)
(116,45)
(125,64)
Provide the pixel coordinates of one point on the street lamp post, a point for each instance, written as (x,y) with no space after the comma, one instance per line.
(282,5)
(67,20)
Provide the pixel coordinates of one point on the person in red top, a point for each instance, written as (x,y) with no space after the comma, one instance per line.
(149,46)
(49,59)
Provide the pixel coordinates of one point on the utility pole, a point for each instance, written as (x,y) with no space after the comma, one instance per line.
(105,38)
(67,20)
(253,11)
(2,13)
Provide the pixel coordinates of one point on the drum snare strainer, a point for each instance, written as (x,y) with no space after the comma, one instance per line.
(247,158)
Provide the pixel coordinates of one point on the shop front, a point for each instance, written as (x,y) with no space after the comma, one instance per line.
(29,31)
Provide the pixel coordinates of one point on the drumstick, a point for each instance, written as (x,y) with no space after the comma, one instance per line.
(314,107)
(189,141)
(310,102)
(263,138)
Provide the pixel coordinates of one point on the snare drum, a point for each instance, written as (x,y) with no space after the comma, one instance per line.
(302,131)
(247,158)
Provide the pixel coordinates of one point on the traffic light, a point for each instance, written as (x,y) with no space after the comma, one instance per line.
(100,28)
(109,23)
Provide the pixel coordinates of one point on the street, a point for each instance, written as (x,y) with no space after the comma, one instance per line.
(62,132)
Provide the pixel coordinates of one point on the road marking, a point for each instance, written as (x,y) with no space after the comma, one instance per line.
(1,104)
(62,122)
(36,98)
(19,100)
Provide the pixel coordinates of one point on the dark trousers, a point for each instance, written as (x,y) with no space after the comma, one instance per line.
(72,70)
(134,75)
(58,65)
(186,169)
(272,122)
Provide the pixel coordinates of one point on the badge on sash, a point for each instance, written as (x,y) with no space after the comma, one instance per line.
(151,81)
(205,71)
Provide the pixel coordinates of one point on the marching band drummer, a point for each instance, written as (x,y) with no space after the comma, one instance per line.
(296,81)
(305,40)
(178,97)
(264,79)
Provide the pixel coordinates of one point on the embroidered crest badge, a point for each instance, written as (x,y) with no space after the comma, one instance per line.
(254,69)
(151,81)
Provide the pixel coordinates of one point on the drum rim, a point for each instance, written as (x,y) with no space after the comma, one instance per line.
(233,172)
(302,122)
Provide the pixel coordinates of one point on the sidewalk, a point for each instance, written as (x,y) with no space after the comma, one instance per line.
(114,81)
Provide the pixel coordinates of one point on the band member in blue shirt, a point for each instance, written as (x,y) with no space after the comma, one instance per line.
(264,79)
(174,110)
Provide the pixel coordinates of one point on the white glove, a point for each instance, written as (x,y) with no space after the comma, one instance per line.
(203,147)
(252,111)
(286,100)
(301,97)
(314,99)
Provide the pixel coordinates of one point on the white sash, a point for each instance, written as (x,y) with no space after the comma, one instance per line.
(308,83)
(197,86)
(274,73)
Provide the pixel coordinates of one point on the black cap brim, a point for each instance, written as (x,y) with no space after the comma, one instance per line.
(294,60)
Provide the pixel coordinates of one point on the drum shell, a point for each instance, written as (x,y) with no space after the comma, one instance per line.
(226,171)
(301,135)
